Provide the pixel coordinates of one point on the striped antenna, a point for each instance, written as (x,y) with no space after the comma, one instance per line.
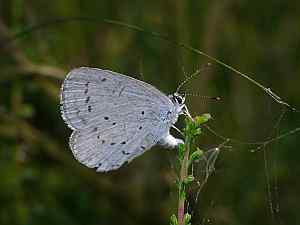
(217,98)
(192,76)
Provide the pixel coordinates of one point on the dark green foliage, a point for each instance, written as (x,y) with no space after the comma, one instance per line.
(41,182)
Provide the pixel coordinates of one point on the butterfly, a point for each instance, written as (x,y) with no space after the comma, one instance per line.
(115,118)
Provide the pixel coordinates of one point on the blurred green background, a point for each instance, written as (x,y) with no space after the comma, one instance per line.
(41,183)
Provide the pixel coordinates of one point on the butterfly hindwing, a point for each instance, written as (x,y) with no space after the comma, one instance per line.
(108,150)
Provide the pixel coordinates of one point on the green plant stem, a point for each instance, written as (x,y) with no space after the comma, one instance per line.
(183,176)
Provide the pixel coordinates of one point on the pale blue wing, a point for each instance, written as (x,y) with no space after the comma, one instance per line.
(115,118)
(109,149)
(88,93)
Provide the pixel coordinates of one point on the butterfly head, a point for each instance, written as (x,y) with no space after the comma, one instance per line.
(177,99)
(179,102)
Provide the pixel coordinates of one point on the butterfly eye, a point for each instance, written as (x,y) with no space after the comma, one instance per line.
(178,99)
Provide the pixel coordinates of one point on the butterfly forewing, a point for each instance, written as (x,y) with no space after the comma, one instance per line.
(115,118)
(88,93)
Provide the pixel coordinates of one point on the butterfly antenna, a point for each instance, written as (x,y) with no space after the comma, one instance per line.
(217,98)
(192,76)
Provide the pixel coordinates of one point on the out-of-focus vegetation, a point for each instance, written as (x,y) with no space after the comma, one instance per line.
(41,183)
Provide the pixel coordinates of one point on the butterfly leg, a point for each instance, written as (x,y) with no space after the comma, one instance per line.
(186,112)
(179,131)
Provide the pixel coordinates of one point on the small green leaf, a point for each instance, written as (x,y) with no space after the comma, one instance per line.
(187,218)
(196,155)
(189,127)
(196,131)
(173,220)
(202,119)
(189,179)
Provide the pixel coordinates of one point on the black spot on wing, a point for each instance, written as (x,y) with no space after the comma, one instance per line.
(125,153)
(86,87)
(123,88)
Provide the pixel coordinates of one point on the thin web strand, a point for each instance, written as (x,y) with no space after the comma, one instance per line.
(58,21)
(272,202)
(260,144)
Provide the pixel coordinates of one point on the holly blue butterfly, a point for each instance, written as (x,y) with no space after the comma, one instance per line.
(116,118)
